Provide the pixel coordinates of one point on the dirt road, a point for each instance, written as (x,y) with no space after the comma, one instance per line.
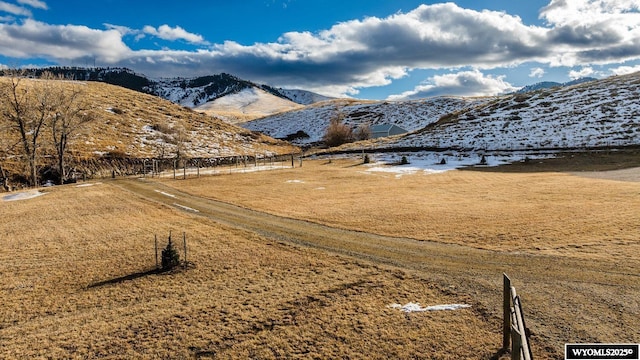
(565,299)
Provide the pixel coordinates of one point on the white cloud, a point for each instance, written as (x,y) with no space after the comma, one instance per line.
(36,4)
(537,72)
(465,83)
(61,42)
(584,72)
(14,9)
(123,30)
(361,53)
(166,32)
(593,31)
(623,70)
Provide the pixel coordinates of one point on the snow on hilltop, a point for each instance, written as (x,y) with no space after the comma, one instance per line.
(599,113)
(248,103)
(314,119)
(198,91)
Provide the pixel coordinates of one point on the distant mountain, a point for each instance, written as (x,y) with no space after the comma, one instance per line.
(189,92)
(196,92)
(553,84)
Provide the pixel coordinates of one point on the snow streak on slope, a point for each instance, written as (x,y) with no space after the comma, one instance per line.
(313,120)
(596,114)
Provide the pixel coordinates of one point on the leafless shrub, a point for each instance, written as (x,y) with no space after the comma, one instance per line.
(337,132)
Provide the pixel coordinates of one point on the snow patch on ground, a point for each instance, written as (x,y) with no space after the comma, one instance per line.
(165,194)
(186,208)
(429,163)
(87,185)
(416,307)
(23,195)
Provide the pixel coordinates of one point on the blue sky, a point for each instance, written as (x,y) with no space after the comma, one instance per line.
(375,49)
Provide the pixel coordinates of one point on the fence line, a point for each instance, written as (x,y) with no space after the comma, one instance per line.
(184,168)
(514,328)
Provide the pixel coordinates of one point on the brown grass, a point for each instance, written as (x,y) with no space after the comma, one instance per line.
(121,115)
(76,285)
(541,212)
(73,286)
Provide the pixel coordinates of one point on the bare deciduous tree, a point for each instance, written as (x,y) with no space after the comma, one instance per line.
(337,133)
(362,132)
(69,115)
(26,113)
(29,107)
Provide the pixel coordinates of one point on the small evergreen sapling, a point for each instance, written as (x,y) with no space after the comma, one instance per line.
(170,256)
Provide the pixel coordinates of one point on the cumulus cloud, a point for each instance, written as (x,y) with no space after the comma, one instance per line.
(61,42)
(623,70)
(465,83)
(584,72)
(36,4)
(166,32)
(361,53)
(14,9)
(537,72)
(593,31)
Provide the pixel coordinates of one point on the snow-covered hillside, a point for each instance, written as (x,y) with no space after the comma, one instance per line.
(600,113)
(250,103)
(198,91)
(303,97)
(313,120)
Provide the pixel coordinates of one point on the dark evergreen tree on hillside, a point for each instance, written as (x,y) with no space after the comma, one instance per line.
(170,256)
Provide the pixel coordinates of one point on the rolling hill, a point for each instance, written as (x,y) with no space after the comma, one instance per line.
(594,114)
(314,119)
(132,125)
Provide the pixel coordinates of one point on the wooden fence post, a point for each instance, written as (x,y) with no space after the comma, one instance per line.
(506,312)
(156,240)
(184,240)
(517,343)
(514,325)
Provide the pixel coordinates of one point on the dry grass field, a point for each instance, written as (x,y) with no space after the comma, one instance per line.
(549,213)
(571,239)
(74,262)
(75,284)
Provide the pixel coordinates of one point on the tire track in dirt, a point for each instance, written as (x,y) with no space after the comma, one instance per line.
(564,298)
